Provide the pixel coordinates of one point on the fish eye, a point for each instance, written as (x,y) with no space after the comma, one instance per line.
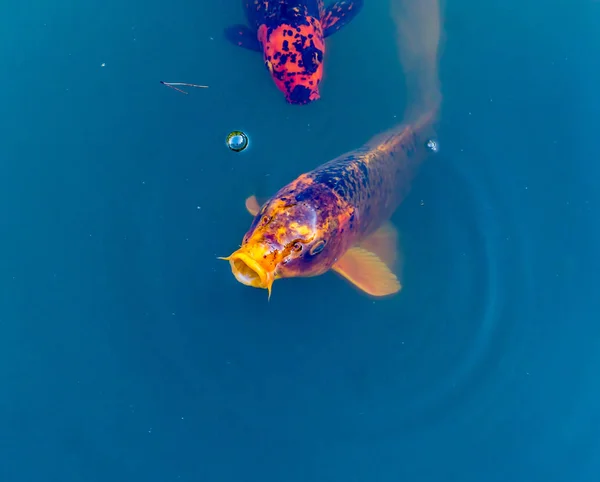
(311,58)
(317,247)
(297,246)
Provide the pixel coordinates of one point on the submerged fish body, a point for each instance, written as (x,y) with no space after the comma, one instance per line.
(291,35)
(336,217)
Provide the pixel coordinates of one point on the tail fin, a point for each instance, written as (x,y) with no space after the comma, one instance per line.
(419,28)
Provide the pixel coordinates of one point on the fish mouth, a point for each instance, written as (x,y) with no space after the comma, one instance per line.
(249,272)
(302,95)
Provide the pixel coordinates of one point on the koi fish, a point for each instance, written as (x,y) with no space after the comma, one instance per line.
(336,217)
(291,35)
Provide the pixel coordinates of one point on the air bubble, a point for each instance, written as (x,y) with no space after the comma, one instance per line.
(237,141)
(433,145)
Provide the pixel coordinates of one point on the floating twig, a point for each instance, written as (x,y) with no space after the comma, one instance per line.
(173,84)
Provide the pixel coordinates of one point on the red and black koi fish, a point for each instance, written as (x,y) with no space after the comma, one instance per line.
(291,34)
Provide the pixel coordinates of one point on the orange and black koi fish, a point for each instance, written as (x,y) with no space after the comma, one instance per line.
(336,217)
(291,34)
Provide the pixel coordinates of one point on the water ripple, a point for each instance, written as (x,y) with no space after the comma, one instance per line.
(465,257)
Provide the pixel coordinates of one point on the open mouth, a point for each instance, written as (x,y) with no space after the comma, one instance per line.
(248,272)
(244,273)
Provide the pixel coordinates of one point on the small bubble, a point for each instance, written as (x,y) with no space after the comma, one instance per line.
(432,145)
(237,141)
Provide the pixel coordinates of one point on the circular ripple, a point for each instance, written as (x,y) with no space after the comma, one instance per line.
(466,288)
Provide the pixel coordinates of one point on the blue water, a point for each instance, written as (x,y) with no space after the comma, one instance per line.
(129,352)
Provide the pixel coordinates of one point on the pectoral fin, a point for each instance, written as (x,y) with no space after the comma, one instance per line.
(340,14)
(367,272)
(242,36)
(252,205)
(372,264)
(384,244)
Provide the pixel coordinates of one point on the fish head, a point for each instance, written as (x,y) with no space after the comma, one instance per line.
(288,238)
(293,55)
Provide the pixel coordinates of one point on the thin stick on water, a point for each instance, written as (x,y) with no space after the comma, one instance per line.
(173,84)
